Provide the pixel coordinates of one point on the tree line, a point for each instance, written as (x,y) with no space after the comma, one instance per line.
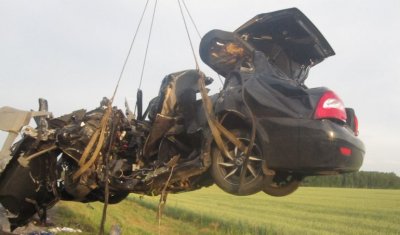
(362,179)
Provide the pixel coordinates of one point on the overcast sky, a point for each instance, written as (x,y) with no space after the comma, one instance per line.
(71,53)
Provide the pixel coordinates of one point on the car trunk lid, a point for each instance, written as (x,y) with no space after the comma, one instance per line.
(289,39)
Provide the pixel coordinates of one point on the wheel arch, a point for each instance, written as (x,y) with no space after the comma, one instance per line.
(230,119)
(233,119)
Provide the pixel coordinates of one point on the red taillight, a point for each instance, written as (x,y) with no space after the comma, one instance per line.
(330,106)
(345,151)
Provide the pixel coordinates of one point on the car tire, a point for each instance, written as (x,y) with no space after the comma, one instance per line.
(282,184)
(226,172)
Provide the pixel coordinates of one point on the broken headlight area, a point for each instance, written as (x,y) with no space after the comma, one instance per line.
(43,170)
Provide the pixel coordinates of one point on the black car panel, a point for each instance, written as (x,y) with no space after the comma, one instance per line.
(320,142)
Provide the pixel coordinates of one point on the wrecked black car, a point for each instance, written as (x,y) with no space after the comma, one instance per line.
(302,131)
(264,131)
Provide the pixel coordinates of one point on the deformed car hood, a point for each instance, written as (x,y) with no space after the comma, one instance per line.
(291,30)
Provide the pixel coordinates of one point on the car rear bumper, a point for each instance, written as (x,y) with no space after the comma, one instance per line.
(320,143)
(312,147)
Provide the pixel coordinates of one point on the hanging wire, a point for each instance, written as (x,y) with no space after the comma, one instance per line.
(106,116)
(187,32)
(191,19)
(198,33)
(147,46)
(130,50)
(106,159)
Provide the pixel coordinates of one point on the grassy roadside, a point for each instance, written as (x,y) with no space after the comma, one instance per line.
(131,217)
(211,211)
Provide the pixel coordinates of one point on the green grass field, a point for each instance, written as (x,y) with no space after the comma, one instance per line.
(212,211)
